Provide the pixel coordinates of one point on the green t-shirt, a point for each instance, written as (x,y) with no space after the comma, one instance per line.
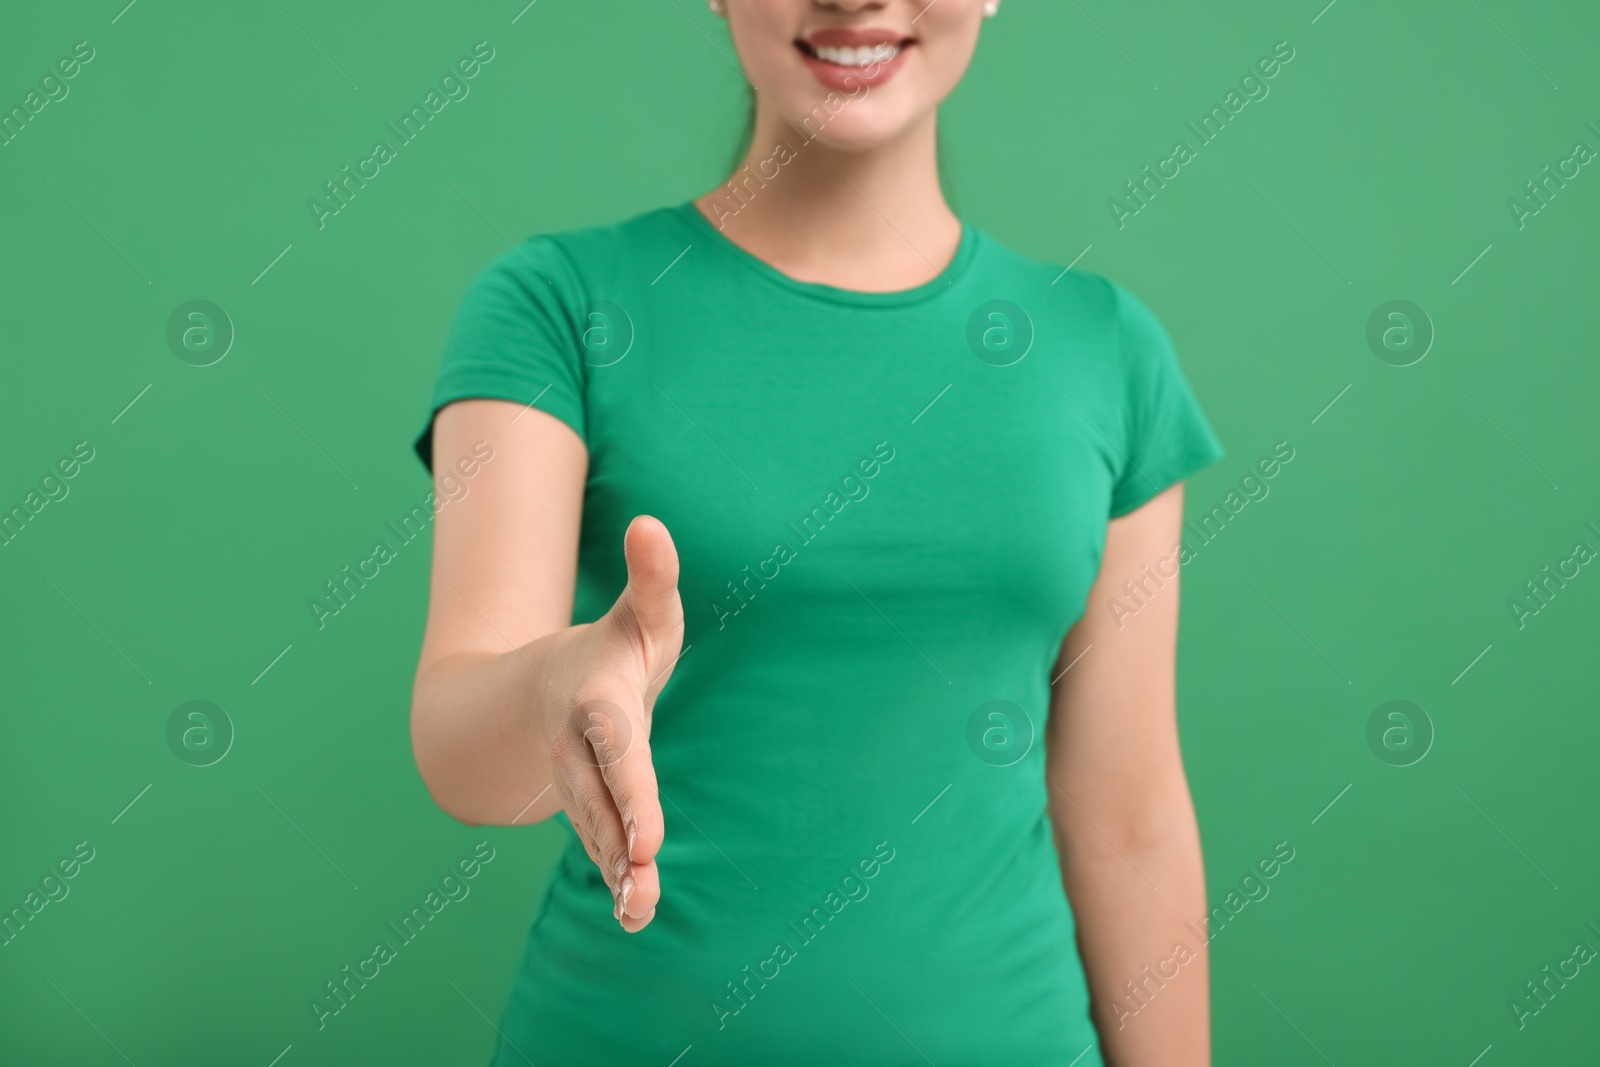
(889,508)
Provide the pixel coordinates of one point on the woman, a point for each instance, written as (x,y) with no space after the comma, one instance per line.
(794,585)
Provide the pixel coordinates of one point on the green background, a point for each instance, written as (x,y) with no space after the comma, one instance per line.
(1380,567)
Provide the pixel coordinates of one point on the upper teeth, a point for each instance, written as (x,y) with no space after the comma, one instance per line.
(858,57)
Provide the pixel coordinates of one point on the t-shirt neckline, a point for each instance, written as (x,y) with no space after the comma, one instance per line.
(945,280)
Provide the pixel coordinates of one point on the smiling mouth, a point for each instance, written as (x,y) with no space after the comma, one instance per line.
(858,57)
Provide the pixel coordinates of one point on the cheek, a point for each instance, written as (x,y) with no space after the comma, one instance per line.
(763,38)
(947,47)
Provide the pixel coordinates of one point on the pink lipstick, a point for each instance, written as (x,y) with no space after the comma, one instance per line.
(852,60)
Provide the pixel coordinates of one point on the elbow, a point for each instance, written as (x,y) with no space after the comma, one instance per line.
(1142,825)
(444,798)
(458,816)
(435,773)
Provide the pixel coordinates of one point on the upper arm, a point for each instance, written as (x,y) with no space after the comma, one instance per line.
(1112,735)
(506,445)
(505,543)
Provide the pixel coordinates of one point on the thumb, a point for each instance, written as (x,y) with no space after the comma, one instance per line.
(651,599)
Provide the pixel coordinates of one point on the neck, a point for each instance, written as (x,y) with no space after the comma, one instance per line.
(873,220)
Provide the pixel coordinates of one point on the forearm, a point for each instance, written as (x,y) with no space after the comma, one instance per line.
(477,732)
(1134,897)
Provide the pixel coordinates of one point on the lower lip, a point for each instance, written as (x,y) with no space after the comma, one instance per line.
(853,79)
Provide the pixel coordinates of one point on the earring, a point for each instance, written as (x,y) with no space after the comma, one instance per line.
(716,6)
(990,9)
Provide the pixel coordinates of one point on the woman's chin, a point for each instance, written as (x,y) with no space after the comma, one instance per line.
(850,131)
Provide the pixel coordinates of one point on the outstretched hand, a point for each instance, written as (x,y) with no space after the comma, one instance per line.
(599,723)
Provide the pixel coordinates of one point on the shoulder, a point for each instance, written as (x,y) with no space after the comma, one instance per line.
(1081,304)
(1055,287)
(569,263)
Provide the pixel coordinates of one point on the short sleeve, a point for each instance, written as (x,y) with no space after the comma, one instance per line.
(1168,438)
(514,339)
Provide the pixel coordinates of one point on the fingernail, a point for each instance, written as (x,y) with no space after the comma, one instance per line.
(616,907)
(633,832)
(627,891)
